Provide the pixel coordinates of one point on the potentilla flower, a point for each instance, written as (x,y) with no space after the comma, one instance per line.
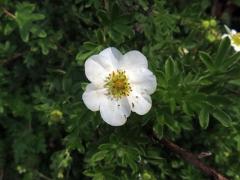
(119,84)
(234,36)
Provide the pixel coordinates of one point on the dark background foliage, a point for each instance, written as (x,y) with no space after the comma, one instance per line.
(46,132)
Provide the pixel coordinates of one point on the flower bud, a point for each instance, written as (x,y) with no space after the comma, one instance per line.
(56,115)
(205,24)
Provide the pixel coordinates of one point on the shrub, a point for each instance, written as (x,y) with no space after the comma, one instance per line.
(46,131)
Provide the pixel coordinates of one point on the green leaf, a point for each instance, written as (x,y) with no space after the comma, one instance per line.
(172,124)
(44,46)
(222,117)
(204,118)
(222,52)
(207,60)
(158,126)
(172,102)
(169,68)
(235,82)
(25,17)
(231,60)
(42,34)
(87,50)
(186,108)
(103,17)
(99,156)
(8,29)
(24,33)
(218,100)
(237,139)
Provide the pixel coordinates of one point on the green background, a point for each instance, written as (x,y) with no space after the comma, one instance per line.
(46,132)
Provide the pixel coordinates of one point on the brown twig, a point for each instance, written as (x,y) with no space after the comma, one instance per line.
(41,175)
(191,158)
(8,13)
(1,174)
(9,60)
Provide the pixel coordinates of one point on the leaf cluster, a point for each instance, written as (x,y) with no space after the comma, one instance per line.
(46,132)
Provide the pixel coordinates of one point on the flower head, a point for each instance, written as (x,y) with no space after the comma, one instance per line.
(234,36)
(119,84)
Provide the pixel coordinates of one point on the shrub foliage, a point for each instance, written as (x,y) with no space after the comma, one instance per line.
(46,132)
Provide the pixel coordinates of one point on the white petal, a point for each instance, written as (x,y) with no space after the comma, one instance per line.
(115,112)
(133,59)
(93,96)
(236,47)
(111,54)
(226,35)
(140,102)
(233,31)
(143,79)
(97,68)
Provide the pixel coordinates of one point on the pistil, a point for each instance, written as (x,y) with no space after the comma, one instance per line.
(118,84)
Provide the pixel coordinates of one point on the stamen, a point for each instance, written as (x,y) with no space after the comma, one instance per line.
(117,84)
(236,39)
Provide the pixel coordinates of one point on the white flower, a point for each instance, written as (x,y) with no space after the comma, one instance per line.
(119,84)
(234,37)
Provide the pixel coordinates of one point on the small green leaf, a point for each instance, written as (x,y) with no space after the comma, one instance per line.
(24,33)
(99,156)
(204,118)
(231,60)
(207,60)
(8,29)
(235,82)
(217,100)
(222,117)
(172,105)
(25,18)
(82,56)
(42,34)
(223,50)
(237,139)
(144,4)
(158,126)
(169,68)
(44,46)
(172,124)
(87,50)
(185,107)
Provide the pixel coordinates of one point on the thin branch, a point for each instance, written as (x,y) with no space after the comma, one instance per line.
(8,13)
(106,4)
(11,59)
(1,174)
(41,175)
(191,158)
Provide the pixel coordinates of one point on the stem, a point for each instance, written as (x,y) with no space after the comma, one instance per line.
(11,59)
(106,5)
(190,158)
(1,174)
(8,13)
(41,175)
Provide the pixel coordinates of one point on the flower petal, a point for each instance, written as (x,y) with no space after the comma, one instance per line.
(93,96)
(133,59)
(115,112)
(226,35)
(233,31)
(140,102)
(97,69)
(143,79)
(111,54)
(236,47)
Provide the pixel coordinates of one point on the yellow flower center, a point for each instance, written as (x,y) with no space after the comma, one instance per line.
(117,84)
(236,39)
